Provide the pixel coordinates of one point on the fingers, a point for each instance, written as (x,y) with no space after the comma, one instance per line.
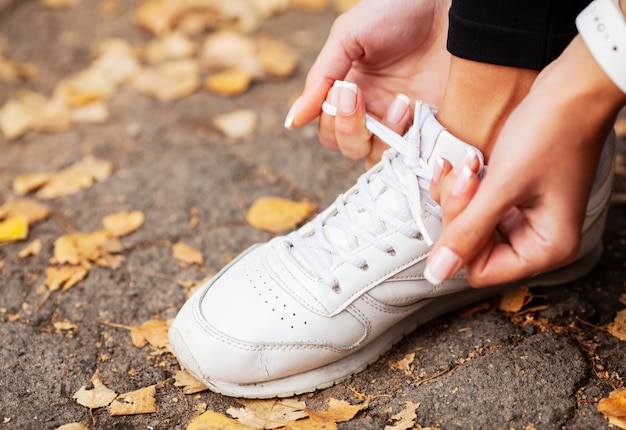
(398,118)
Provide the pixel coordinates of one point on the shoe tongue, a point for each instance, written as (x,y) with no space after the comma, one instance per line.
(443,144)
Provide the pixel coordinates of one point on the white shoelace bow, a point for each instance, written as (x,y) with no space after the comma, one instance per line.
(402,170)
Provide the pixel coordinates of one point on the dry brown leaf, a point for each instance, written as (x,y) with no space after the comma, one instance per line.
(142,401)
(64,276)
(229,82)
(172,46)
(65,325)
(73,426)
(58,4)
(275,214)
(156,16)
(237,124)
(308,5)
(168,81)
(85,248)
(12,71)
(268,414)
(32,111)
(276,57)
(227,50)
(215,421)
(338,411)
(92,113)
(32,249)
(405,419)
(404,364)
(29,182)
(515,300)
(85,87)
(614,408)
(96,397)
(153,332)
(618,327)
(116,60)
(30,209)
(123,223)
(187,254)
(188,383)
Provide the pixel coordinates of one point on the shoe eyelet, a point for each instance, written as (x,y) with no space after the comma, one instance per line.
(365,267)
(391,252)
(336,289)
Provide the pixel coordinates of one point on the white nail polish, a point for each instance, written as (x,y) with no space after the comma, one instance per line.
(292,113)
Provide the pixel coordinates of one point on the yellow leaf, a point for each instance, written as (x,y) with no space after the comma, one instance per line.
(515,300)
(153,332)
(277,57)
(30,209)
(169,47)
(85,87)
(188,383)
(268,414)
(123,223)
(229,83)
(60,326)
(64,276)
(13,229)
(186,254)
(15,119)
(28,182)
(237,124)
(168,81)
(276,214)
(338,411)
(33,248)
(84,248)
(614,408)
(618,327)
(96,397)
(92,113)
(156,15)
(58,4)
(142,401)
(405,419)
(215,421)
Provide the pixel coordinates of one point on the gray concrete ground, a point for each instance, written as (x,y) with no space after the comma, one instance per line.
(486,369)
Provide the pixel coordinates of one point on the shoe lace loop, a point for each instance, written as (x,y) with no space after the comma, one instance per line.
(403,172)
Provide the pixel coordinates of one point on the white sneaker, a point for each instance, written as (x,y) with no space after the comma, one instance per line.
(309,309)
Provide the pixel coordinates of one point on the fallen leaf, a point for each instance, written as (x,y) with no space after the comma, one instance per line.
(276,57)
(515,300)
(64,276)
(268,414)
(614,408)
(404,364)
(73,426)
(96,397)
(156,16)
(229,82)
(237,124)
(84,248)
(30,209)
(13,229)
(116,60)
(153,332)
(85,87)
(187,254)
(60,326)
(215,421)
(142,401)
(32,249)
(275,214)
(13,72)
(188,383)
(309,5)
(123,223)
(618,327)
(228,50)
(338,411)
(405,419)
(168,81)
(70,180)
(58,4)
(92,113)
(172,46)
(33,111)
(342,6)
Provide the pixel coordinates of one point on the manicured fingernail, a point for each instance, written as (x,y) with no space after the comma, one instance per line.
(437,169)
(466,160)
(292,113)
(398,109)
(461,180)
(346,96)
(443,264)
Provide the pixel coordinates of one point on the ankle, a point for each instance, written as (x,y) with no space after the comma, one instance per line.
(479,98)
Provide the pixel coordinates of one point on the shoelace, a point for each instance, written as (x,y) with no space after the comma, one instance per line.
(404,172)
